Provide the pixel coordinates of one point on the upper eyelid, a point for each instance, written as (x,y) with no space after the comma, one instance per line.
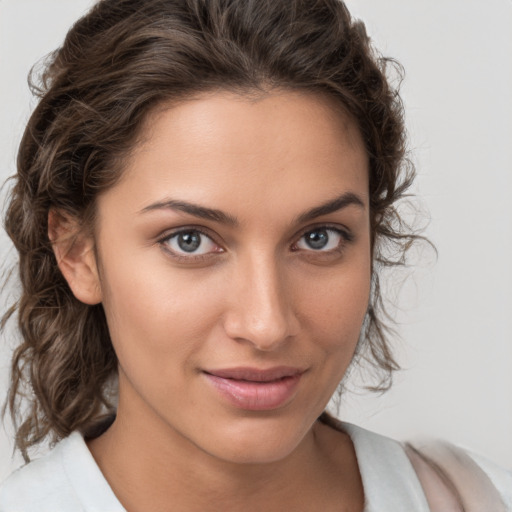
(208,232)
(184,257)
(346,235)
(170,233)
(332,227)
(167,235)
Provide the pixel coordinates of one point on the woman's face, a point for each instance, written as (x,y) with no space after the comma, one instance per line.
(234,264)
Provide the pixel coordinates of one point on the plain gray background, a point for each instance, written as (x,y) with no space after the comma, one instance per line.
(456,314)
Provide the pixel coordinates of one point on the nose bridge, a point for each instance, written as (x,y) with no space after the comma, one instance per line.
(261,312)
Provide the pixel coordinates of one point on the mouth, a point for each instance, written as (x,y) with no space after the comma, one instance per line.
(256,389)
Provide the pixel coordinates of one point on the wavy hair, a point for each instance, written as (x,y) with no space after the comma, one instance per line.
(117,63)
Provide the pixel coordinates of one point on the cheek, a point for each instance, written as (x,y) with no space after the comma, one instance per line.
(163,316)
(155,315)
(332,315)
(335,305)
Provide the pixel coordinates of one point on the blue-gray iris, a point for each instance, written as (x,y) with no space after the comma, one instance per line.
(189,241)
(317,239)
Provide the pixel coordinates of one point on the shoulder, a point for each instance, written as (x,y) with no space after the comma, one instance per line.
(391,481)
(500,477)
(66,479)
(41,485)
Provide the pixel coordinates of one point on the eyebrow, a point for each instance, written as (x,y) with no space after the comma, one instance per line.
(193,209)
(338,203)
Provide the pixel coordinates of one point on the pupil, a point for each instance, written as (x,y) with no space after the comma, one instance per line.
(189,242)
(317,239)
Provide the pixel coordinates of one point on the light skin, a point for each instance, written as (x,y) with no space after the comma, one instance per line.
(272,269)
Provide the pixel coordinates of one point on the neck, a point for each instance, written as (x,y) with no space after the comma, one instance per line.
(151,466)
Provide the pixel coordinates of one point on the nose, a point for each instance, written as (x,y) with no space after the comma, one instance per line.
(260,307)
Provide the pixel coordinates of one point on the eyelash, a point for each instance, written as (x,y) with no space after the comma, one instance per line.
(345,235)
(164,242)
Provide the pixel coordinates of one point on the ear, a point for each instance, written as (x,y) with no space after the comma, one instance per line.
(74,251)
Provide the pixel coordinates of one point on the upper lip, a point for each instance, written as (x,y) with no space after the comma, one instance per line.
(256,374)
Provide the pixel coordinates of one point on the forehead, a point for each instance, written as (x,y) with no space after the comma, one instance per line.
(274,150)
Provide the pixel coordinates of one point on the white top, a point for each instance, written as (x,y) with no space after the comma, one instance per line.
(68,479)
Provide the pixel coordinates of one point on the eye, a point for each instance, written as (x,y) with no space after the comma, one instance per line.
(323,239)
(190,242)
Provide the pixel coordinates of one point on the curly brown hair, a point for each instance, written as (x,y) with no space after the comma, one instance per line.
(119,62)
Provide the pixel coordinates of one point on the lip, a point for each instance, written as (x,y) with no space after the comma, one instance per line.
(256,389)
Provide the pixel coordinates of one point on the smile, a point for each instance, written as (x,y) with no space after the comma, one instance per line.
(256,390)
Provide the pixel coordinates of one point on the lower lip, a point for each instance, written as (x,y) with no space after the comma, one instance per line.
(256,396)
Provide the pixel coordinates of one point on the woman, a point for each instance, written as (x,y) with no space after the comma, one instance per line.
(205,195)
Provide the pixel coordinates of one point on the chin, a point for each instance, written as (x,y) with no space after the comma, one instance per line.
(260,440)
(251,453)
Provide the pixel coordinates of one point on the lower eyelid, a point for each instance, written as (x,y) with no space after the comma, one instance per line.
(182,255)
(343,234)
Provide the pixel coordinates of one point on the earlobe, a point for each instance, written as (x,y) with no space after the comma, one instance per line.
(74,251)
